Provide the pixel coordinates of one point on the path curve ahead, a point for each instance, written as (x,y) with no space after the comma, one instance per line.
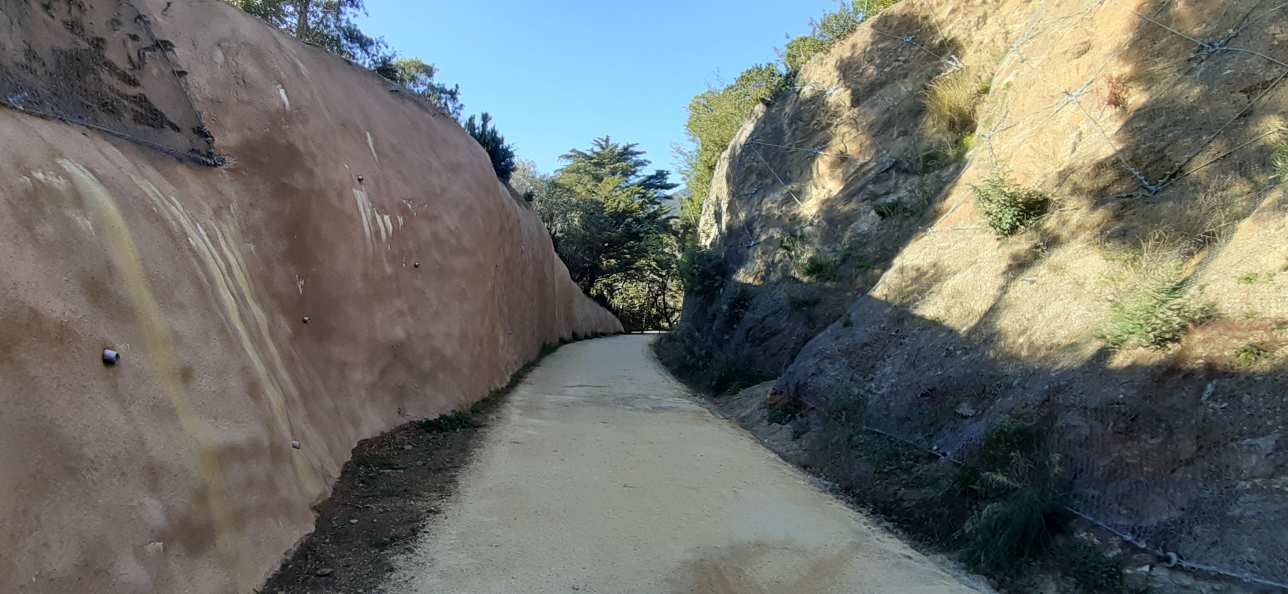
(602,475)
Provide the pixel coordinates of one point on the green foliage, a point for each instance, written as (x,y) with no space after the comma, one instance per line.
(801,50)
(702,271)
(1251,355)
(1018,526)
(606,217)
(716,114)
(830,29)
(1253,278)
(1150,310)
(819,267)
(1011,439)
(1092,570)
(526,180)
(715,117)
(328,24)
(1279,161)
(1022,513)
(500,153)
(837,25)
(731,378)
(418,77)
(1006,208)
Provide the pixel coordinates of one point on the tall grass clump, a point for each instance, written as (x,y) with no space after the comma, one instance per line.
(1280,159)
(1150,308)
(951,102)
(1008,208)
(1022,513)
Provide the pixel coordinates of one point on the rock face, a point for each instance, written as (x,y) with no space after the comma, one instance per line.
(354,265)
(858,271)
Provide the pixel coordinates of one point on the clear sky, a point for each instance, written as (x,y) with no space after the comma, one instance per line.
(556,74)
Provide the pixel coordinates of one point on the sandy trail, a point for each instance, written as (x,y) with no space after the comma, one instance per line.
(602,475)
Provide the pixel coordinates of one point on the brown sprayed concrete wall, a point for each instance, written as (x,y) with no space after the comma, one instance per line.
(174,471)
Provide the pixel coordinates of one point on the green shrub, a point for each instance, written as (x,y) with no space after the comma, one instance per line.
(1018,526)
(731,378)
(1007,208)
(1253,278)
(1280,159)
(1151,310)
(1251,354)
(702,271)
(1022,513)
(1011,439)
(714,119)
(1092,570)
(818,267)
(801,50)
(839,24)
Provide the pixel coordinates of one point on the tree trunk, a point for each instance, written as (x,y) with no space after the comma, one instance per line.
(302,8)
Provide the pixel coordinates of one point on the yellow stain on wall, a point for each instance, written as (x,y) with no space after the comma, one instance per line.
(128,265)
(226,275)
(373,222)
(367,214)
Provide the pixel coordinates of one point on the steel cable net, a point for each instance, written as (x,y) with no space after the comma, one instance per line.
(1172,467)
(98,64)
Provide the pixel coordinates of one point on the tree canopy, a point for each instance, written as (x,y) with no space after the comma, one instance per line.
(329,24)
(325,23)
(606,214)
(418,77)
(500,153)
(716,115)
(714,119)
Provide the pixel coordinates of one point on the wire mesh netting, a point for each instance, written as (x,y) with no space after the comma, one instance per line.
(1177,466)
(98,64)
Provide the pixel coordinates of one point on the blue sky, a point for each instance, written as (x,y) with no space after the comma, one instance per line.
(556,74)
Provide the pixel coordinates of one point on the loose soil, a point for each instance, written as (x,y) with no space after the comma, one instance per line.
(386,494)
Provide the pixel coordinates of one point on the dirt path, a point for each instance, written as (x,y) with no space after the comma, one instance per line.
(600,475)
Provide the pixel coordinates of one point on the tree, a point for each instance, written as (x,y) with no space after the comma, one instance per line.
(714,118)
(831,29)
(325,23)
(606,216)
(716,115)
(526,180)
(801,50)
(500,153)
(418,77)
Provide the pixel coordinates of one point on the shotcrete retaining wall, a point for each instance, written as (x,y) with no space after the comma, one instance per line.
(353,266)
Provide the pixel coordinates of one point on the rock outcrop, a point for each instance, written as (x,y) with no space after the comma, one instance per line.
(353,265)
(860,274)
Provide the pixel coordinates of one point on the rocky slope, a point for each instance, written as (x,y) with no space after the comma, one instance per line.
(353,265)
(855,267)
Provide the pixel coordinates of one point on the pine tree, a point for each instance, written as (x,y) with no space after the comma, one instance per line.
(498,151)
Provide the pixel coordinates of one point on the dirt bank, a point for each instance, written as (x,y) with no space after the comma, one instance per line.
(1138,324)
(386,494)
